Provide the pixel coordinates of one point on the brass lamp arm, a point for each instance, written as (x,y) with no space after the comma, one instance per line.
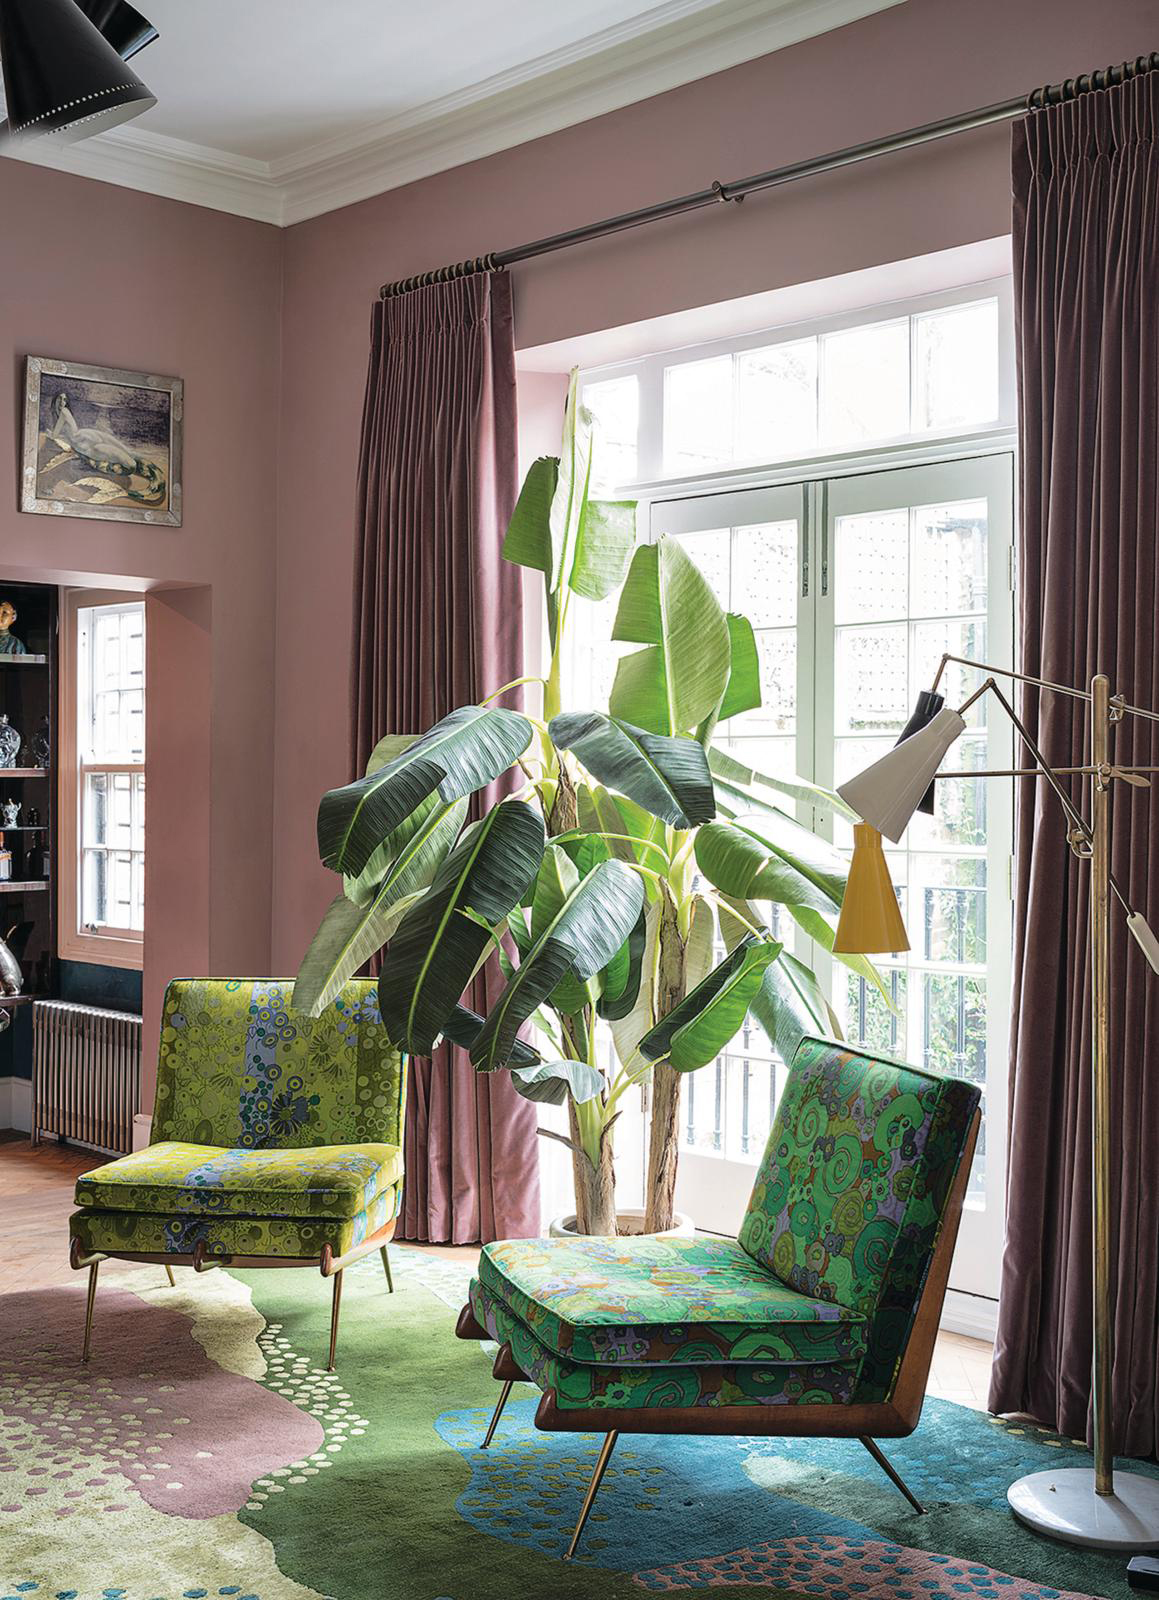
(1119,707)
(1081,836)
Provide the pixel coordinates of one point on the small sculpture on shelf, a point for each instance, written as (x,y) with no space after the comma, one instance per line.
(10,645)
(40,745)
(11,977)
(11,812)
(10,742)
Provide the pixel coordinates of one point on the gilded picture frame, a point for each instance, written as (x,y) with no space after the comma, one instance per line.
(101,442)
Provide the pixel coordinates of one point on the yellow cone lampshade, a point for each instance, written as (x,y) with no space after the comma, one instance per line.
(870,922)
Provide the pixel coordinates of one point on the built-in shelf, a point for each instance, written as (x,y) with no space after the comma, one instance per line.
(27,886)
(23,772)
(23,661)
(23,827)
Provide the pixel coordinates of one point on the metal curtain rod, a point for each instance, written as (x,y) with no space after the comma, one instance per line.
(1002,111)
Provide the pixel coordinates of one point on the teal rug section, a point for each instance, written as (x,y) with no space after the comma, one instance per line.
(207,1453)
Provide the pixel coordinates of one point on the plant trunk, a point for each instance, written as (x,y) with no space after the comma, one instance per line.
(663,1133)
(595,1187)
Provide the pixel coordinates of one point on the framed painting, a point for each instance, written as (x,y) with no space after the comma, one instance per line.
(101,443)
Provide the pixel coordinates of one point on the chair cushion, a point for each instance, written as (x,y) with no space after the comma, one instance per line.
(667,1301)
(155,1233)
(578,1386)
(172,1178)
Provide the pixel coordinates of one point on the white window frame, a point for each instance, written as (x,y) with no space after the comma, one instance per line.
(107,946)
(915,449)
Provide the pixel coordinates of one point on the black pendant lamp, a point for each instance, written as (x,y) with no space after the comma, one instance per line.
(62,76)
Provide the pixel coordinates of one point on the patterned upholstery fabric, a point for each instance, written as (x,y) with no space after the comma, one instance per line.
(577,1386)
(174,1234)
(337,1180)
(276,1133)
(647,1302)
(844,1215)
(238,1068)
(850,1193)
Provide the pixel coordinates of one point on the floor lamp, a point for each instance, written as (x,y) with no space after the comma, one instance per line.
(1099,1508)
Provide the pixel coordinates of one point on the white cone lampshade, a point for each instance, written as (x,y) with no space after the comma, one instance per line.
(887,794)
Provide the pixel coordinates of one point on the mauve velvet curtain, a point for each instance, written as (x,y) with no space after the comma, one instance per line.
(438,624)
(1086,265)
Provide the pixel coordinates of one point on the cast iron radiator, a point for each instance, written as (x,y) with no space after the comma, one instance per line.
(86,1074)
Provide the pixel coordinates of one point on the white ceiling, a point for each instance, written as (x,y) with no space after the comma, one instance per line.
(282,109)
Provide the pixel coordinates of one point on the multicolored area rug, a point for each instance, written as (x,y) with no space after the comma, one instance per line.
(206,1452)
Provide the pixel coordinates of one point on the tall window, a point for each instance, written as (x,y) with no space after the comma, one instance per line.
(103,778)
(847,485)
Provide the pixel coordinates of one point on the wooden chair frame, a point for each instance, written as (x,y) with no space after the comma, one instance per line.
(330,1266)
(894,1418)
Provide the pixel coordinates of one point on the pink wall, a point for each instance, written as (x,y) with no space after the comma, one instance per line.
(908,65)
(100,274)
(251,608)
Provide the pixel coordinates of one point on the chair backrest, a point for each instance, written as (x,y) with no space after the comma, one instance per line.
(238,1067)
(853,1187)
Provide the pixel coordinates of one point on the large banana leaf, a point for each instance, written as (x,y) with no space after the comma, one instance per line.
(557,877)
(584,935)
(790,1004)
(681,678)
(698,947)
(742,863)
(466,750)
(699,1028)
(743,690)
(668,777)
(553,1083)
(603,812)
(627,1031)
(351,933)
(620,979)
(462,1028)
(571,489)
(743,784)
(558,530)
(436,947)
(607,533)
(528,539)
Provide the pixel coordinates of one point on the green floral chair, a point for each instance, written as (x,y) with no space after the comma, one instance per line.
(819,1318)
(277,1140)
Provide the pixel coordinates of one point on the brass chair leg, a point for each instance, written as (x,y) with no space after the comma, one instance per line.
(893,1474)
(169,1275)
(386,1265)
(497,1413)
(93,1270)
(337,1301)
(601,1467)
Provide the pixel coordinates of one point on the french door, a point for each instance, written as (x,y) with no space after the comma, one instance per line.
(856,586)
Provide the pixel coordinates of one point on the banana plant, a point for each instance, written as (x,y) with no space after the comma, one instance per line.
(624,886)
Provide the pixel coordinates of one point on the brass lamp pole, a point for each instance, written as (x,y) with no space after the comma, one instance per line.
(1097,1508)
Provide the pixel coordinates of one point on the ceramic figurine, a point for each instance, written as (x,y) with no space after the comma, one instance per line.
(40,745)
(11,810)
(10,742)
(33,817)
(10,645)
(11,977)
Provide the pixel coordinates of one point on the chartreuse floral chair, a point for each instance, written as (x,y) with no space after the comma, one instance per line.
(277,1140)
(819,1318)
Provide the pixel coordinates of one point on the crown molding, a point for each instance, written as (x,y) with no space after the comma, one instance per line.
(672,44)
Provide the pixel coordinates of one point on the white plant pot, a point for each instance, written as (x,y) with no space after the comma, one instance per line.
(630,1223)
